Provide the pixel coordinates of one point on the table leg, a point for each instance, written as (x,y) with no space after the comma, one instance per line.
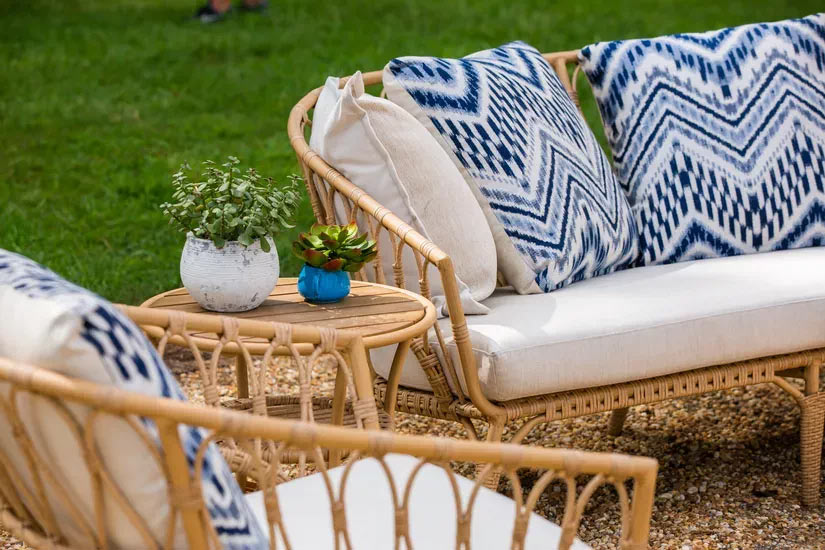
(373,374)
(242,376)
(398,360)
(339,400)
(358,360)
(242,381)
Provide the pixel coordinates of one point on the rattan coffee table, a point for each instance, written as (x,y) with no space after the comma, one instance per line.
(384,316)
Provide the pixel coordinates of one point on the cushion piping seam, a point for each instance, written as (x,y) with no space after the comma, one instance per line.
(617,333)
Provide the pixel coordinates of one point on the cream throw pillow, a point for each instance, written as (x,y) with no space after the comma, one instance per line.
(390,155)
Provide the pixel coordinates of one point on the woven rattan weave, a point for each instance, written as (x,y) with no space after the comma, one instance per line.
(27,514)
(325,185)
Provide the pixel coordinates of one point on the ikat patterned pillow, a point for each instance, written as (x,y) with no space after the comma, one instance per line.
(556,211)
(718,137)
(59,326)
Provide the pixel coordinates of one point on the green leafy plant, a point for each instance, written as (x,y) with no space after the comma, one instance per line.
(228,204)
(334,247)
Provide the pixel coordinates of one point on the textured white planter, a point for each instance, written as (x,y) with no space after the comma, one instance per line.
(228,279)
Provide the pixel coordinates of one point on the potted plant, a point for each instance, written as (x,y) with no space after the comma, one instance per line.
(329,253)
(231,218)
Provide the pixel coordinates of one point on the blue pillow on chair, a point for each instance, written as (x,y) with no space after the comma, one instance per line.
(718,137)
(556,211)
(51,323)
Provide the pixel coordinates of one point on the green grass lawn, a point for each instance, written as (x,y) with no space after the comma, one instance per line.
(100,101)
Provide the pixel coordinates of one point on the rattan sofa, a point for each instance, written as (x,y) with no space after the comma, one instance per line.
(456,382)
(393,488)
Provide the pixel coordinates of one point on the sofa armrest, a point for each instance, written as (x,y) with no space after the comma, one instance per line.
(326,186)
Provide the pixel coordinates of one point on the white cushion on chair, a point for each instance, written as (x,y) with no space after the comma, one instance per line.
(643,322)
(53,324)
(304,505)
(391,156)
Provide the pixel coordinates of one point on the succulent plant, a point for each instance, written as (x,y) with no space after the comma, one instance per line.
(334,247)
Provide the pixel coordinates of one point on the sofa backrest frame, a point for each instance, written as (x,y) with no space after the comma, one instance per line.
(325,185)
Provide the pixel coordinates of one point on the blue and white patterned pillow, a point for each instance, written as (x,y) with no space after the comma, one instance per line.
(519,140)
(718,137)
(68,329)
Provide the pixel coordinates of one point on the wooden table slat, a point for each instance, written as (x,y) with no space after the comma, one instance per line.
(277,307)
(370,309)
(171,300)
(279,297)
(383,328)
(363,320)
(350,308)
(368,329)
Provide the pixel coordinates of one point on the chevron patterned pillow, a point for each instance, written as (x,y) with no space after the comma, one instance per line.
(556,211)
(57,325)
(719,137)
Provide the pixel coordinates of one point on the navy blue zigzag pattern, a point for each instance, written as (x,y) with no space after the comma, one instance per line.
(719,137)
(510,123)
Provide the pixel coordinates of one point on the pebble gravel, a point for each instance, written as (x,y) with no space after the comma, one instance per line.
(728,471)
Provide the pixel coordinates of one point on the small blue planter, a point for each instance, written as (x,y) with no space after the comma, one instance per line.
(322,287)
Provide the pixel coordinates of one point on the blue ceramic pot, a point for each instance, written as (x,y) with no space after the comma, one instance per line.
(321,286)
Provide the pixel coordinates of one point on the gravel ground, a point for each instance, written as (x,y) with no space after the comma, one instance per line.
(9,543)
(729,466)
(728,471)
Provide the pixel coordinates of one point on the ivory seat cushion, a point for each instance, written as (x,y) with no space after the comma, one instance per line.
(304,505)
(643,322)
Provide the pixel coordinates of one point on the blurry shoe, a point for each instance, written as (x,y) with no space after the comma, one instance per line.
(255,8)
(208,14)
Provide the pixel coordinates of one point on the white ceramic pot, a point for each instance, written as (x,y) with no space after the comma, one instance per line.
(229,279)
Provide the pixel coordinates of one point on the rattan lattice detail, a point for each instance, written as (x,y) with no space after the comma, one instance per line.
(31,501)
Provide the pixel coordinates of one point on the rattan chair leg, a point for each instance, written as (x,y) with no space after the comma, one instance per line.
(338,402)
(811,427)
(242,376)
(616,422)
(472,434)
(811,376)
(495,430)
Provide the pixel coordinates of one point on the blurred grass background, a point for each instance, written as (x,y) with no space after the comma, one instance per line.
(100,101)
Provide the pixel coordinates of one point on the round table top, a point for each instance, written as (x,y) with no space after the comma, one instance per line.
(383,314)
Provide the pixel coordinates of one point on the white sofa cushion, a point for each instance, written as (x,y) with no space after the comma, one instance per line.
(390,155)
(304,505)
(643,322)
(61,327)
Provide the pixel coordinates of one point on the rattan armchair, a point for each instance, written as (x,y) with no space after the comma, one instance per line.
(467,402)
(26,508)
